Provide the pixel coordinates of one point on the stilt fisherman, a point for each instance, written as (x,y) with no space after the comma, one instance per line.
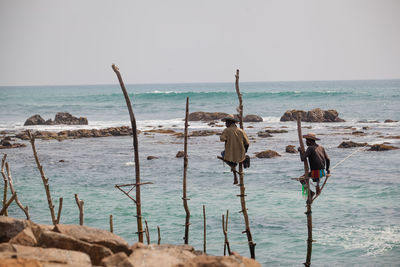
(317,158)
(236,144)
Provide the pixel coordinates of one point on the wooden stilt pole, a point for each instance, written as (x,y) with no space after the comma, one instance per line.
(44,179)
(136,148)
(10,182)
(5,184)
(226,242)
(185,164)
(226,228)
(204,230)
(59,210)
(309,197)
(159,235)
(80,204)
(8,203)
(241,179)
(147,233)
(111,224)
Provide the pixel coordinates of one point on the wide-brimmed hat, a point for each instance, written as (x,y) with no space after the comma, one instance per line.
(230,117)
(311,136)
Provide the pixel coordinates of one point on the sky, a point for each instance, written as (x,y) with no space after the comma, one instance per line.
(54,42)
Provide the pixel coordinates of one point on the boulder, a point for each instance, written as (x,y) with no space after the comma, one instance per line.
(263,134)
(206,116)
(45,256)
(24,238)
(117,260)
(151,157)
(161,255)
(382,147)
(35,120)
(234,260)
(94,236)
(66,118)
(51,239)
(291,149)
(10,227)
(20,263)
(315,115)
(350,144)
(267,154)
(252,118)
(389,121)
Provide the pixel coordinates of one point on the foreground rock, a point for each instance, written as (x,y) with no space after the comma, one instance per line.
(60,118)
(267,154)
(24,243)
(315,115)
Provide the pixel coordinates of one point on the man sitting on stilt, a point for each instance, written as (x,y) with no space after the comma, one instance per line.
(236,144)
(318,159)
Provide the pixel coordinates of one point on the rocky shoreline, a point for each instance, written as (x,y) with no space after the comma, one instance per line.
(24,243)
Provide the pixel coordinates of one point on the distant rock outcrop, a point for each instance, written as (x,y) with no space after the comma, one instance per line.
(315,115)
(382,147)
(60,118)
(215,116)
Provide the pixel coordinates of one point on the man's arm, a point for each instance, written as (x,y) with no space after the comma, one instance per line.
(223,136)
(246,142)
(303,156)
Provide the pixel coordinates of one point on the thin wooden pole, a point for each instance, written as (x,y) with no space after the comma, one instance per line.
(8,203)
(147,233)
(185,165)
(159,235)
(111,224)
(204,230)
(5,184)
(241,174)
(226,228)
(136,148)
(226,242)
(44,179)
(59,210)
(80,204)
(309,197)
(10,181)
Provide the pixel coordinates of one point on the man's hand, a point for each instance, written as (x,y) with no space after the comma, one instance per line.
(328,171)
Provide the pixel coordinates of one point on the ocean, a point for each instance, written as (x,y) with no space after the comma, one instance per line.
(356,219)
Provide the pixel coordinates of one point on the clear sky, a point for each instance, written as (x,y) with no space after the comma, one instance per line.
(51,42)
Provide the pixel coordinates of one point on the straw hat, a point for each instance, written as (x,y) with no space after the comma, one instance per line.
(311,136)
(230,117)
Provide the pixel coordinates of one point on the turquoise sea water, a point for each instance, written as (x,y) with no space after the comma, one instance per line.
(356,220)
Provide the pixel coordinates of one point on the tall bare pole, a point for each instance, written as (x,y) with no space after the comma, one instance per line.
(136,148)
(5,184)
(44,179)
(241,174)
(185,165)
(204,230)
(309,197)
(80,204)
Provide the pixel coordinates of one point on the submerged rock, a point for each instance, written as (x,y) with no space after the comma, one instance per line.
(267,154)
(315,115)
(180,154)
(206,116)
(252,118)
(291,149)
(382,147)
(350,144)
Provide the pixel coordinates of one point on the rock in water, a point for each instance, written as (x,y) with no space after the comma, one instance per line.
(35,120)
(252,118)
(66,118)
(315,115)
(267,154)
(291,149)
